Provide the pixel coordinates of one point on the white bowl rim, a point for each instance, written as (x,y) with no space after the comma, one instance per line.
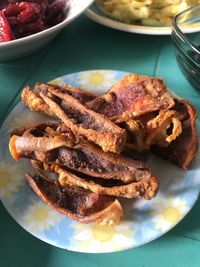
(60,25)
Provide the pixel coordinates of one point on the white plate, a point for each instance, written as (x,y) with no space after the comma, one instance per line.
(98,16)
(144,221)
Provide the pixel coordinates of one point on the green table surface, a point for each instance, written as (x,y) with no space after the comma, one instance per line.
(85,45)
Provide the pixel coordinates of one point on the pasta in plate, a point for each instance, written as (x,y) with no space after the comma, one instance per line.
(146,12)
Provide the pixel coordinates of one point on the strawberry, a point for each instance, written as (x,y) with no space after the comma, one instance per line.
(5,30)
(28,11)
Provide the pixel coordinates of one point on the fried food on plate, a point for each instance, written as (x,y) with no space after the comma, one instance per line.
(151,129)
(84,147)
(183,149)
(82,121)
(77,203)
(131,97)
(52,143)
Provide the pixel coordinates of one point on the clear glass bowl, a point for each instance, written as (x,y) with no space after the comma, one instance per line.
(186,38)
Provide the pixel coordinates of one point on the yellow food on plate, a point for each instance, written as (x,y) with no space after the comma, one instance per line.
(147,12)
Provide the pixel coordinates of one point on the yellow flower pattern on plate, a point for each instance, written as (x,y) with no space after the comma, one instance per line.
(96,79)
(59,81)
(168,212)
(39,217)
(10,178)
(101,238)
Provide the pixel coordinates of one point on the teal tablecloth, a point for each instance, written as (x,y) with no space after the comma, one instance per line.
(85,45)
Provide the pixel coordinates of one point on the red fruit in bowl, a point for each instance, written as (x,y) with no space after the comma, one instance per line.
(20,18)
(54,9)
(22,30)
(28,11)
(3,4)
(5,30)
(11,10)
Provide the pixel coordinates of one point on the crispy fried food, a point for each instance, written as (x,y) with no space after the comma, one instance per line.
(79,150)
(36,103)
(82,121)
(32,99)
(151,129)
(54,143)
(133,96)
(183,149)
(144,188)
(77,203)
(81,95)
(164,128)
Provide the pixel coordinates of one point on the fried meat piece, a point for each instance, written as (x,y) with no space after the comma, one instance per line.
(36,103)
(31,97)
(77,203)
(82,121)
(145,188)
(183,149)
(133,96)
(153,129)
(81,95)
(53,143)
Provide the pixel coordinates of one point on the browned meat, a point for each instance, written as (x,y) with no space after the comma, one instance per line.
(36,103)
(54,144)
(27,141)
(32,99)
(146,188)
(183,149)
(81,95)
(82,121)
(133,96)
(153,129)
(77,203)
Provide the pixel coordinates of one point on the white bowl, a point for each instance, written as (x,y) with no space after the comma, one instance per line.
(30,44)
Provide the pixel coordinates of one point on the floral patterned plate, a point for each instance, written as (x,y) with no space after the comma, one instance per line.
(144,220)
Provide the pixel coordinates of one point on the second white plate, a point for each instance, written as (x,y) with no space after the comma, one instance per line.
(98,16)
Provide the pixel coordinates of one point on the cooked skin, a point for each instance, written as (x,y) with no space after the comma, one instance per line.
(146,188)
(32,99)
(87,123)
(153,129)
(182,150)
(36,103)
(54,144)
(157,128)
(38,138)
(81,95)
(82,121)
(76,203)
(133,96)
(143,135)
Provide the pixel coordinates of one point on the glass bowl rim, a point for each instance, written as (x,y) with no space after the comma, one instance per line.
(179,32)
